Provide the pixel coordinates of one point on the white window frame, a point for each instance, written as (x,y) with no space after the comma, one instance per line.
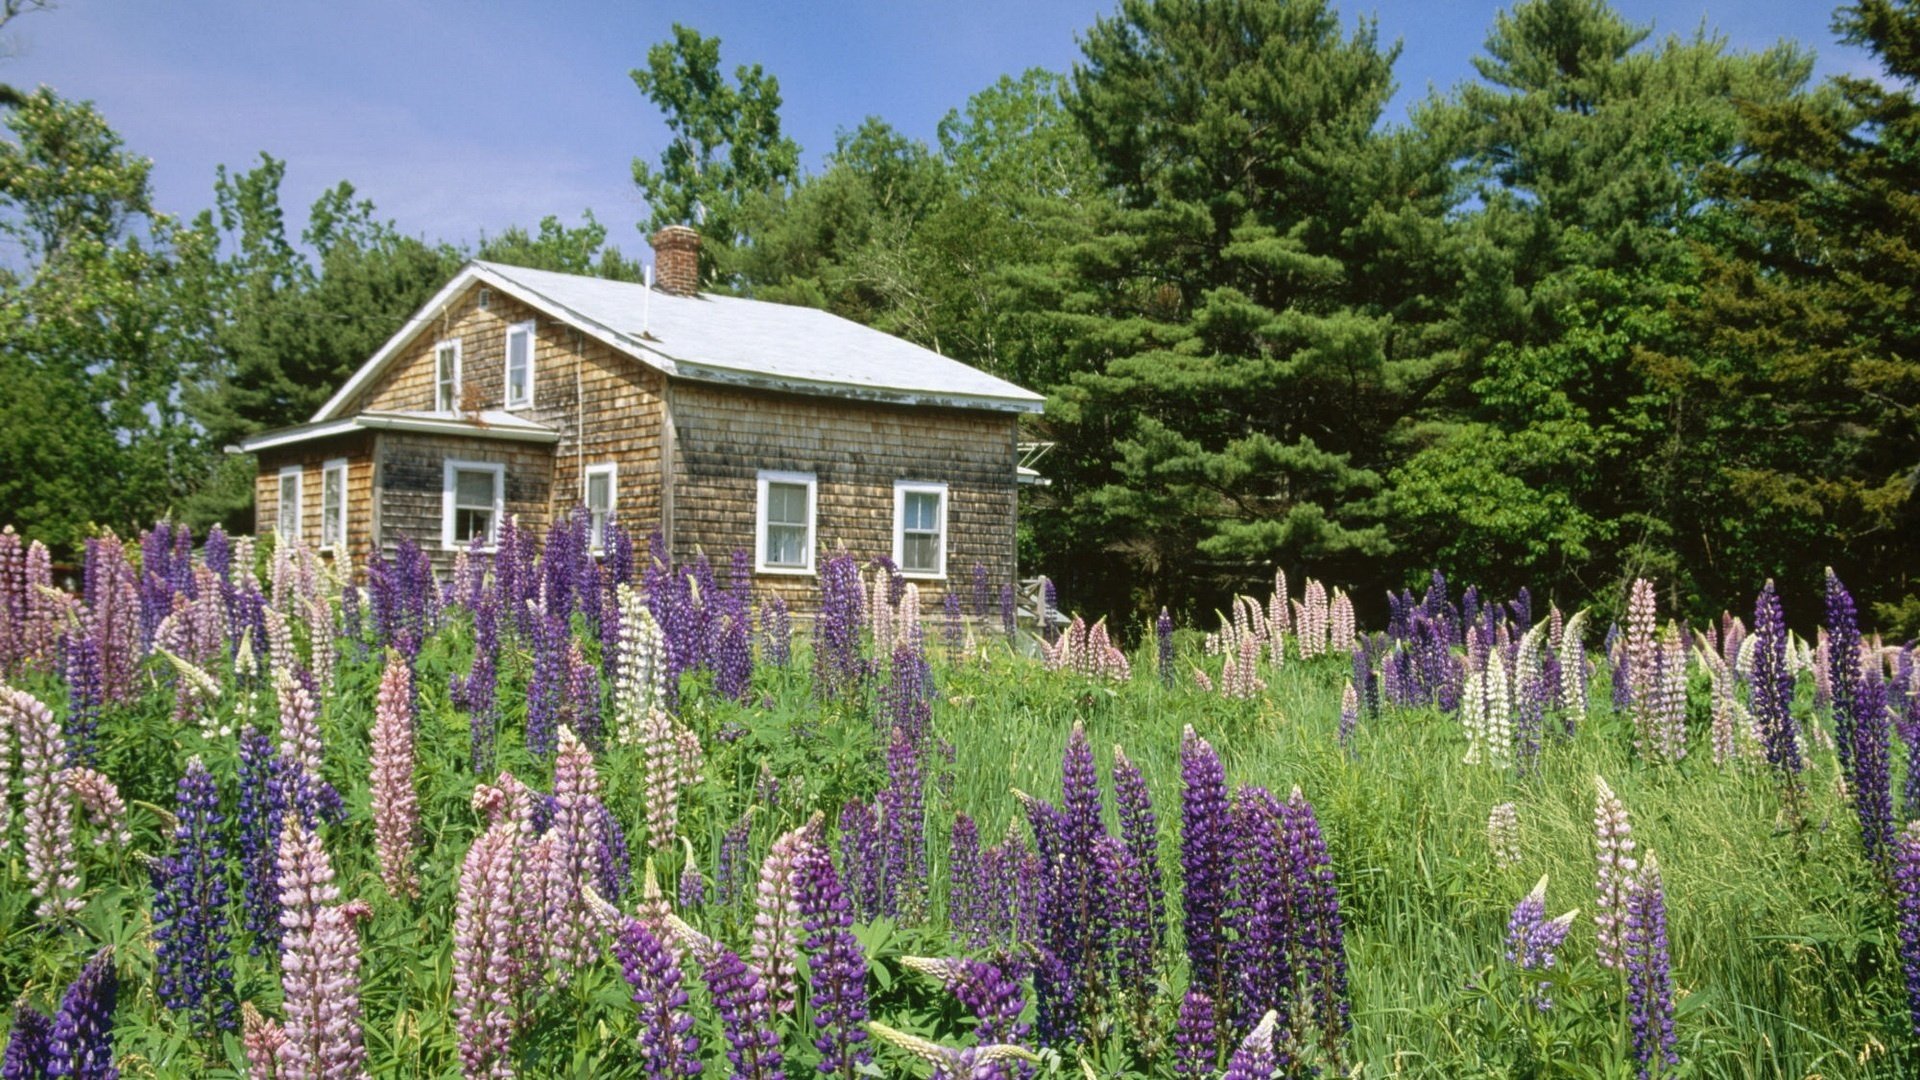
(901,489)
(298,474)
(453,401)
(766,478)
(596,538)
(506,384)
(454,467)
(328,470)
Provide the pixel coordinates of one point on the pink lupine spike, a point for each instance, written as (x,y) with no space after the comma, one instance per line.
(569,863)
(319,962)
(776,920)
(1613,839)
(483,952)
(264,1041)
(299,724)
(396,808)
(99,799)
(48,811)
(663,757)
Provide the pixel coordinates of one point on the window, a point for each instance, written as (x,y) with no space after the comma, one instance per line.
(333,504)
(519,365)
(920,529)
(446,376)
(472,502)
(287,522)
(602,491)
(783,537)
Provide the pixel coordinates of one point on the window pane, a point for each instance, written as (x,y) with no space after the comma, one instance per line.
(472,487)
(469,524)
(922,510)
(786,545)
(597,485)
(787,504)
(517,341)
(920,552)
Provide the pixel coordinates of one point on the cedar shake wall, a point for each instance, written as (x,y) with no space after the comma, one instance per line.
(412,481)
(724,437)
(357,448)
(574,376)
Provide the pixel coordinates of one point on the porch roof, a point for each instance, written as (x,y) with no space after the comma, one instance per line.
(490,424)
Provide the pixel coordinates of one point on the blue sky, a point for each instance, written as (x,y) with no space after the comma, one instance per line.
(462,118)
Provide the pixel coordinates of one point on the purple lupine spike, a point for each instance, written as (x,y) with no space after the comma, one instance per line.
(1195,1037)
(906,695)
(733,653)
(1009,621)
(1872,767)
(81,1042)
(740,1000)
(189,909)
(1649,974)
(1163,635)
(904,828)
(583,697)
(1264,903)
(1140,830)
(1533,940)
(1320,935)
(734,869)
(1906,888)
(954,630)
(1256,1058)
(693,886)
(81,663)
(993,996)
(612,860)
(964,883)
(836,629)
(477,693)
(262,814)
(1205,840)
(668,1046)
(837,964)
(1843,668)
(1773,687)
(29,1045)
(776,632)
(860,857)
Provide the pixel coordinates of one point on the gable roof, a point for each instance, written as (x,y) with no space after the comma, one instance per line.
(722,339)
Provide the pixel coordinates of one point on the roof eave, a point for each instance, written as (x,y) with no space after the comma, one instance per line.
(884,395)
(289,436)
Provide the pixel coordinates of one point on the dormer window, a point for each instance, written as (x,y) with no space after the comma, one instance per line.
(446,376)
(519,365)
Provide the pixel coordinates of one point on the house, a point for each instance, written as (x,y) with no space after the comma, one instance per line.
(723,423)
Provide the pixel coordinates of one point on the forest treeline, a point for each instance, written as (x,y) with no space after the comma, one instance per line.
(1621,305)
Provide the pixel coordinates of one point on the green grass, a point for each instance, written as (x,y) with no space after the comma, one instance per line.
(1783,948)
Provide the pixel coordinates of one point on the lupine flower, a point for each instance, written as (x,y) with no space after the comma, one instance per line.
(953,630)
(190,908)
(1009,624)
(861,858)
(903,825)
(299,726)
(1906,887)
(963,880)
(1533,940)
(547,687)
(48,818)
(731,874)
(836,628)
(1649,974)
(81,1042)
(776,632)
(320,962)
(1503,834)
(668,1046)
(777,915)
(483,952)
(639,682)
(583,696)
(99,800)
(613,861)
(396,809)
(572,864)
(1349,714)
(908,693)
(81,660)
(1641,615)
(970,1063)
(29,1045)
(664,768)
(991,996)
(263,802)
(740,999)
(1773,686)
(1872,784)
(1140,831)
(733,653)
(113,602)
(1256,1059)
(1613,840)
(1163,635)
(1842,670)
(1205,832)
(263,1040)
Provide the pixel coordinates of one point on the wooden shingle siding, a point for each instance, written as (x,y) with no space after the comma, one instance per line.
(312,457)
(413,483)
(574,377)
(724,437)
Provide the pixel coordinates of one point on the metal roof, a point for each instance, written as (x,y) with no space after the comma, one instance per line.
(728,340)
(491,424)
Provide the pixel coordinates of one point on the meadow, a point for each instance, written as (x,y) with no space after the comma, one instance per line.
(560,816)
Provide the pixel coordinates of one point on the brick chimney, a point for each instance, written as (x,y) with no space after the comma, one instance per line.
(676,261)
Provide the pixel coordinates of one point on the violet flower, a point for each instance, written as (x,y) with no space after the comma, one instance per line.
(262,813)
(1843,670)
(1163,633)
(29,1045)
(1533,940)
(189,908)
(1649,975)
(1906,888)
(1773,686)
(668,1046)
(80,1044)
(1872,785)
(836,628)
(903,828)
(963,880)
(1256,1057)
(47,819)
(1205,839)
(861,866)
(1195,1039)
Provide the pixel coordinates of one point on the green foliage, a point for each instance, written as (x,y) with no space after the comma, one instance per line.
(726,145)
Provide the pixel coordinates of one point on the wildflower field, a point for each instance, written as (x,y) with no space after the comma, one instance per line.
(555,815)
